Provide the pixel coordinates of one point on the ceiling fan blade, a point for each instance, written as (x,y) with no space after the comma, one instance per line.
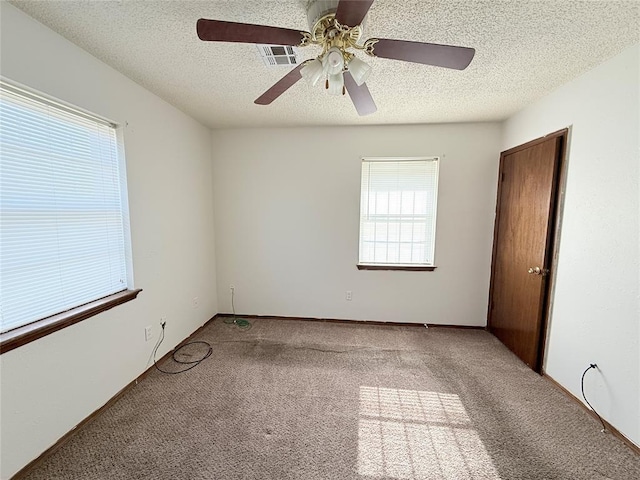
(360,96)
(280,86)
(220,31)
(352,12)
(446,56)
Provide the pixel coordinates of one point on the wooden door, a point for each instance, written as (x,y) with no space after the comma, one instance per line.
(522,249)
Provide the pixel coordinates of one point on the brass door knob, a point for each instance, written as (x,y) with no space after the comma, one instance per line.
(537,271)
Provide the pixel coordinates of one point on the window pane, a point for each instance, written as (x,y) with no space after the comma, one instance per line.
(394,253)
(398,211)
(394,202)
(407,202)
(61,216)
(419,232)
(405,253)
(382,203)
(418,254)
(421,202)
(380,252)
(381,233)
(368,231)
(406,231)
(394,232)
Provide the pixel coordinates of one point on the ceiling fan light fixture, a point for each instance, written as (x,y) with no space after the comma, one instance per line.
(336,27)
(312,71)
(333,61)
(336,82)
(360,70)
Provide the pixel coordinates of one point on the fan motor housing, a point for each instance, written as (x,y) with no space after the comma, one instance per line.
(316,9)
(326,31)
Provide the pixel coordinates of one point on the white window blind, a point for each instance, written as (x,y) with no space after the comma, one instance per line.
(398,211)
(62,240)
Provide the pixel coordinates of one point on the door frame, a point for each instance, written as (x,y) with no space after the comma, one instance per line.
(553,235)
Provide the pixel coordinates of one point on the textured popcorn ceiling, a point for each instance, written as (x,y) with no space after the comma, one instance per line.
(524,49)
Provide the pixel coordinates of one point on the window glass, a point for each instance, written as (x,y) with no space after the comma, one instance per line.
(398,211)
(62,219)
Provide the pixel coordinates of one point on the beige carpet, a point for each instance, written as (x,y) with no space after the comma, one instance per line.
(313,400)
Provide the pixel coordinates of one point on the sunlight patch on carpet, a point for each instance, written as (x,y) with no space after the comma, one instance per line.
(411,434)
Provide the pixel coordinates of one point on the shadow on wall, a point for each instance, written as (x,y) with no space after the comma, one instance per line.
(411,434)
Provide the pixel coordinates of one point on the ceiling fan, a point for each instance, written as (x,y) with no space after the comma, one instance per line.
(336,26)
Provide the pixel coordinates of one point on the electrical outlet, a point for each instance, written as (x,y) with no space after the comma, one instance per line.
(348,295)
(148,333)
(195,302)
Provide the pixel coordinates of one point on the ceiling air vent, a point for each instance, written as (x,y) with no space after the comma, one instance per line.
(278,55)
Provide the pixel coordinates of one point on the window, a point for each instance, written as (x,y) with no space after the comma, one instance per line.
(398,213)
(63,227)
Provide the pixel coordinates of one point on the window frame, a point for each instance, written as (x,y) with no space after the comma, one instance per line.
(40,328)
(400,266)
(34,330)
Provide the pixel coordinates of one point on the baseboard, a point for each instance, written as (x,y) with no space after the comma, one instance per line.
(344,320)
(67,436)
(615,432)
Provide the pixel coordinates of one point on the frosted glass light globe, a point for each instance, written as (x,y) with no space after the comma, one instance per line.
(333,61)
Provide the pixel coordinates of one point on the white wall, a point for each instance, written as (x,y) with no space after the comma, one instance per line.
(52,384)
(287,220)
(596,312)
